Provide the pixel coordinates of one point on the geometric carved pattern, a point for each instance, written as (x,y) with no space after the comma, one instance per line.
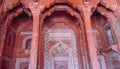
(60,49)
(19,61)
(59,35)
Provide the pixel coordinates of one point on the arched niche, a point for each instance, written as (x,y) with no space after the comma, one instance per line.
(98,23)
(64,20)
(13,22)
(26,42)
(102,20)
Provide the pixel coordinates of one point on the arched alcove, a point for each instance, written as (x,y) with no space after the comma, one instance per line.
(105,40)
(61,28)
(15,30)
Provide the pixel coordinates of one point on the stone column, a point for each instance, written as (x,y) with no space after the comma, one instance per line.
(36,10)
(90,39)
(3,36)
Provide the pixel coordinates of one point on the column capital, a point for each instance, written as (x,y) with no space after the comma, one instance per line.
(86,9)
(35,8)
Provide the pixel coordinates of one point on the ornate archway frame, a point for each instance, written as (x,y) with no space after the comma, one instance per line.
(67,9)
(51,10)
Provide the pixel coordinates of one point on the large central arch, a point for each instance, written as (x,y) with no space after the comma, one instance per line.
(50,32)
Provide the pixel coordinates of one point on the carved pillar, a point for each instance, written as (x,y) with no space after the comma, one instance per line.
(112,21)
(36,10)
(87,60)
(91,45)
(4,32)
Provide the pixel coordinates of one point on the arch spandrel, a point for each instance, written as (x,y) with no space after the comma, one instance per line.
(73,3)
(111,4)
(46,3)
(76,3)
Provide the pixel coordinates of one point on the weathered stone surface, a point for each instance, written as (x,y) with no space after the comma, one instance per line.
(52,34)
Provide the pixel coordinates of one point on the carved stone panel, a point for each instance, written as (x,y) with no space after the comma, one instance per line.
(60,49)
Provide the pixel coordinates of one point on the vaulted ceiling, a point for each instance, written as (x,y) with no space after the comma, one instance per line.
(8,5)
